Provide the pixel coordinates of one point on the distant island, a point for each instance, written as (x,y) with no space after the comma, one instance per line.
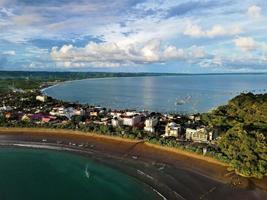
(234,133)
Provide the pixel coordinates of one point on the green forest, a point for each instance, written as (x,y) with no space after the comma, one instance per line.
(242,125)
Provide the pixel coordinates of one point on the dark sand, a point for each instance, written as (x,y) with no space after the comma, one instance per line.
(173,173)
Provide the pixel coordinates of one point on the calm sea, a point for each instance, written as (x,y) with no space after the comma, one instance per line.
(27,174)
(183,93)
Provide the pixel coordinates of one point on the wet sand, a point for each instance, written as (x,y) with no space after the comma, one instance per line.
(175,174)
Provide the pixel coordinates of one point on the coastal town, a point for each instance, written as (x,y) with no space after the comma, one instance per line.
(133,100)
(33,108)
(208,134)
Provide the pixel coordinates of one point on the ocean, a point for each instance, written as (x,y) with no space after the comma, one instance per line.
(172,94)
(27,174)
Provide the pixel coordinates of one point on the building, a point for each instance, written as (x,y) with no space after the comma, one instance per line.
(172,130)
(194,117)
(41,98)
(131,119)
(5,108)
(79,112)
(105,120)
(116,113)
(115,122)
(150,124)
(198,135)
(25,118)
(46,119)
(66,112)
(93,113)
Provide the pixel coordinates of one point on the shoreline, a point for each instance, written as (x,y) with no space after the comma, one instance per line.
(42,90)
(63,132)
(134,152)
(180,111)
(75,80)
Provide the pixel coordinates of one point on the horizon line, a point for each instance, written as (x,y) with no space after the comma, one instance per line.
(163,73)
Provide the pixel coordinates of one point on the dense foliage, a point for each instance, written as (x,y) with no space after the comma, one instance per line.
(243,127)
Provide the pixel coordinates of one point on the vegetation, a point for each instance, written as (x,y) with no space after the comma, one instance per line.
(242,124)
(7,85)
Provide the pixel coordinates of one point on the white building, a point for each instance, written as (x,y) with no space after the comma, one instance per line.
(41,98)
(5,108)
(131,119)
(66,112)
(198,135)
(195,117)
(116,122)
(116,113)
(150,124)
(172,130)
(80,112)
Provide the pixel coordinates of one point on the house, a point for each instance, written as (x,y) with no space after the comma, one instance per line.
(79,112)
(105,120)
(172,130)
(116,113)
(41,98)
(198,135)
(150,124)
(47,119)
(131,119)
(93,113)
(8,115)
(195,117)
(66,112)
(115,122)
(25,118)
(5,108)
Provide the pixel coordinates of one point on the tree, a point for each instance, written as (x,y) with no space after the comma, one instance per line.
(247,151)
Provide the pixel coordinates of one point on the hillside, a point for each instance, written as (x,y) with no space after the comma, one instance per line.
(242,125)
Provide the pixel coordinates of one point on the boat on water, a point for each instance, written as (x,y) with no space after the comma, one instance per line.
(180,102)
(183,101)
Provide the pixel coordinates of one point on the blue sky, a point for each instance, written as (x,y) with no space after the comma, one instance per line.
(182,36)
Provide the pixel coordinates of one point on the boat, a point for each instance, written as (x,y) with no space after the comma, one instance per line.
(183,101)
(180,102)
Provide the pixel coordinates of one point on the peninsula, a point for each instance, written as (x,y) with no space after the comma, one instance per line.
(202,142)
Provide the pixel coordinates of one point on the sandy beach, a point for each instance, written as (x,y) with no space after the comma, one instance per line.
(174,173)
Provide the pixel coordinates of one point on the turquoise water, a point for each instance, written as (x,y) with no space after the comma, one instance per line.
(199,93)
(27,174)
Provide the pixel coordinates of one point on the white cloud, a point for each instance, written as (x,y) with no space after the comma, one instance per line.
(234,62)
(246,43)
(114,55)
(9,53)
(171,52)
(194,30)
(254,11)
(197,52)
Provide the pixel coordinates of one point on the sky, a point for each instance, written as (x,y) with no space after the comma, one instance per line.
(177,36)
